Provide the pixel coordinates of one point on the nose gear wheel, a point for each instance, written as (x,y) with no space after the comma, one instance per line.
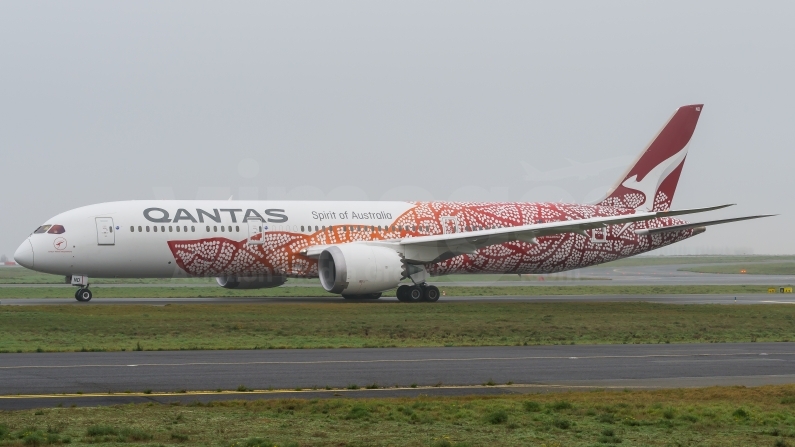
(83,294)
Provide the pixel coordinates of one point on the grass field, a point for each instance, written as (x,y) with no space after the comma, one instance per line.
(778,268)
(243,326)
(716,416)
(108,291)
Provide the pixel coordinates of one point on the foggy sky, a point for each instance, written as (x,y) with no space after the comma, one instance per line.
(104,101)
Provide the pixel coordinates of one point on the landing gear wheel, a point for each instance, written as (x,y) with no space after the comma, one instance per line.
(431,294)
(402,293)
(83,295)
(415,294)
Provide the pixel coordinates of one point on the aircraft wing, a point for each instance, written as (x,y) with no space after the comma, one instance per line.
(436,248)
(691,226)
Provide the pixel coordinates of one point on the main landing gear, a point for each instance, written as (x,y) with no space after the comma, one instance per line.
(417,293)
(83,294)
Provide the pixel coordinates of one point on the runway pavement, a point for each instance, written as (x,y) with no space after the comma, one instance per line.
(667,299)
(528,368)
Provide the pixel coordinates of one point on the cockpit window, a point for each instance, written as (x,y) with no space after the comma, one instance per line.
(42,229)
(57,229)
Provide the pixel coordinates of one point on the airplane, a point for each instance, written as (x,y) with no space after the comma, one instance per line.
(360,249)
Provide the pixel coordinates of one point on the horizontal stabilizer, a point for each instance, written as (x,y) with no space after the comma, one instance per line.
(660,230)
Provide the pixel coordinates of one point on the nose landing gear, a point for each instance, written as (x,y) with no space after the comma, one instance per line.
(417,293)
(82,293)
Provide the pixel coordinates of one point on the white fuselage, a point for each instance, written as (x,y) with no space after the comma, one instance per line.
(162,239)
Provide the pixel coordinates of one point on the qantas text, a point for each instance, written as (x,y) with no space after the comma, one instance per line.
(159,215)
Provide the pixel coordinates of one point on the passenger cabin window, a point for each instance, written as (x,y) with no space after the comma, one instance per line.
(147,228)
(57,229)
(42,229)
(154,228)
(192,229)
(222,228)
(170,229)
(208,228)
(132,229)
(215,229)
(140,229)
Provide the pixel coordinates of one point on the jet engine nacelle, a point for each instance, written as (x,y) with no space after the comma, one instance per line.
(250,282)
(357,269)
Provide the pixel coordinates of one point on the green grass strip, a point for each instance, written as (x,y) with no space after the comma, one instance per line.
(717,416)
(253,326)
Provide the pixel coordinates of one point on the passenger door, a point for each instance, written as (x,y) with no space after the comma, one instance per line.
(105,232)
(449,224)
(256,232)
(599,235)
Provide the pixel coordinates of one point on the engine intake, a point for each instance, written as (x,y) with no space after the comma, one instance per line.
(357,269)
(250,282)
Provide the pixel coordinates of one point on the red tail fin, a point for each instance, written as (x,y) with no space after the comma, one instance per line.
(650,182)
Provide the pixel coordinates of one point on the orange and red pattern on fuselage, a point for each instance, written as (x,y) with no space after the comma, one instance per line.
(279,254)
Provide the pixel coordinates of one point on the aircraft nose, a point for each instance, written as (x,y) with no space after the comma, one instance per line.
(24,254)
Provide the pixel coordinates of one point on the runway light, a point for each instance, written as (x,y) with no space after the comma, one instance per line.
(742,271)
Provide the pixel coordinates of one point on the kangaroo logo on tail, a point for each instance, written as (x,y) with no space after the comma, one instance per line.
(650,183)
